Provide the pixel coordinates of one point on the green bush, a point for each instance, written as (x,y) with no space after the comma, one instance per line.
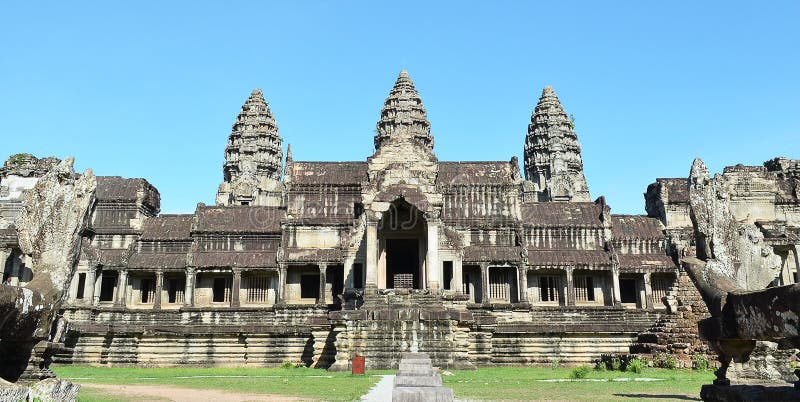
(600,366)
(555,362)
(580,372)
(700,362)
(634,366)
(666,361)
(287,365)
(616,364)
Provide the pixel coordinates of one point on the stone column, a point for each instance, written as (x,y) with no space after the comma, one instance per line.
(570,287)
(236,287)
(323,268)
(458,274)
(88,286)
(615,286)
(522,283)
(281,295)
(484,282)
(372,255)
(159,289)
(188,292)
(97,284)
(349,280)
(122,288)
(648,292)
(432,257)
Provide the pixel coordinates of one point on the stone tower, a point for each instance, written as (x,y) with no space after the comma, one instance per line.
(552,153)
(253,158)
(403,117)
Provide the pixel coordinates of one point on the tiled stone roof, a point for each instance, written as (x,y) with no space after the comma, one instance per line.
(569,258)
(646,261)
(332,173)
(167,227)
(478,173)
(157,260)
(636,227)
(549,214)
(492,253)
(247,259)
(118,189)
(238,219)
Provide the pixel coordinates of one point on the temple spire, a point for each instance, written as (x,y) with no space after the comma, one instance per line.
(552,153)
(403,116)
(253,156)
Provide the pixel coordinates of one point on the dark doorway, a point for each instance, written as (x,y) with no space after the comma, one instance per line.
(309,286)
(358,276)
(335,276)
(402,260)
(627,290)
(81,285)
(219,290)
(107,286)
(447,273)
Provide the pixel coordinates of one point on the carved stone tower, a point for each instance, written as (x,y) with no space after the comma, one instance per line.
(552,153)
(253,158)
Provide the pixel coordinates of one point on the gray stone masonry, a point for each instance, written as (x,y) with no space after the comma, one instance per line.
(418,381)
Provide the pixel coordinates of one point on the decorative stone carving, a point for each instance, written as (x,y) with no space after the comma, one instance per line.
(552,153)
(54,213)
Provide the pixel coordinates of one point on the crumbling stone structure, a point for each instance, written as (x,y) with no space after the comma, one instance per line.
(467,261)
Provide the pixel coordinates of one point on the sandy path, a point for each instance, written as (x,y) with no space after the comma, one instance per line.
(177,394)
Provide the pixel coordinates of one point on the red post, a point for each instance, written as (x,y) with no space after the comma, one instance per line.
(358,365)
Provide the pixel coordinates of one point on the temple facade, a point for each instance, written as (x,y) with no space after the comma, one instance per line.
(473,262)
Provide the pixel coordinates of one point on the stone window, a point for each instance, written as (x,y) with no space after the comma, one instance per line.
(628,290)
(502,284)
(447,275)
(258,289)
(309,286)
(175,289)
(108,286)
(660,284)
(221,290)
(584,288)
(549,287)
(81,286)
(147,290)
(358,275)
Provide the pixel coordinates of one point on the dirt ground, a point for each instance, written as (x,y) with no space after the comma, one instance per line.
(177,394)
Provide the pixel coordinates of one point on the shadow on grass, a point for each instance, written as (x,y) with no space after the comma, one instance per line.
(659,396)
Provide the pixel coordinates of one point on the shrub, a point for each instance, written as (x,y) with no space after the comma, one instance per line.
(634,365)
(600,366)
(287,365)
(555,362)
(580,372)
(616,364)
(664,360)
(700,362)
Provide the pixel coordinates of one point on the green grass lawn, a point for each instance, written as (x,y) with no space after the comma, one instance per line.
(301,382)
(520,384)
(492,383)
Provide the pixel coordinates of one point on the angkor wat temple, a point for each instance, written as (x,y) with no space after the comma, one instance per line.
(473,262)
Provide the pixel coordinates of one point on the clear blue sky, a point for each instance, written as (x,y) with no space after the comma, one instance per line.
(151,89)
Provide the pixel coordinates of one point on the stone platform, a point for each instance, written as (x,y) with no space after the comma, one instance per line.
(418,381)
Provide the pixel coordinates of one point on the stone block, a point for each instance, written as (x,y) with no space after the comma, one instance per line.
(54,390)
(422,394)
(12,392)
(418,381)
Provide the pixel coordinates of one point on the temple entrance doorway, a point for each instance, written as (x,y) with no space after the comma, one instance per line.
(403,243)
(402,264)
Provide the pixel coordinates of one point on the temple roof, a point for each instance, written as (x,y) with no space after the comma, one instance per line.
(118,189)
(238,259)
(637,261)
(568,258)
(238,219)
(167,227)
(482,173)
(676,189)
(334,173)
(636,227)
(157,260)
(561,214)
(403,116)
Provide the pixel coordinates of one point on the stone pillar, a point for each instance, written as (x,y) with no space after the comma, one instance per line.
(570,287)
(349,280)
(432,257)
(159,289)
(97,284)
(615,286)
(522,283)
(648,292)
(484,282)
(323,271)
(4,254)
(188,292)
(236,287)
(458,274)
(122,288)
(372,255)
(281,295)
(88,286)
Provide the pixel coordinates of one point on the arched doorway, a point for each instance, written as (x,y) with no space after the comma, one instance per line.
(402,235)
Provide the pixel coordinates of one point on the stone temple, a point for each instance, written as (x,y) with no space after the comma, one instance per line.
(472,262)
